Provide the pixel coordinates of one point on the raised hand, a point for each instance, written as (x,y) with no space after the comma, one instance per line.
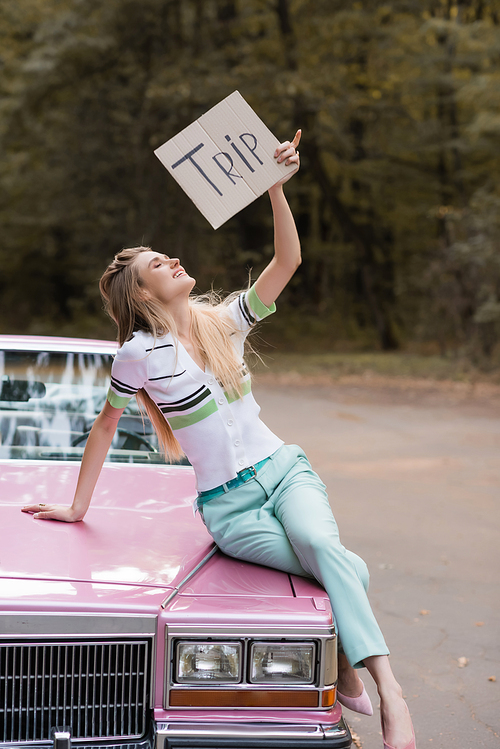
(288,153)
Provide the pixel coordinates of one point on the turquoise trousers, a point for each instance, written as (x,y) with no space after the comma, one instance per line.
(282,519)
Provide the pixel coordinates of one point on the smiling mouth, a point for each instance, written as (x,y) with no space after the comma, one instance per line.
(181,272)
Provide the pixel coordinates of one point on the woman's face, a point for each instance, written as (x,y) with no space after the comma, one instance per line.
(163,277)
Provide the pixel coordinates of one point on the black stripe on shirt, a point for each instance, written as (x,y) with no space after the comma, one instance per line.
(164,345)
(182,400)
(205,394)
(122,387)
(166,377)
(245,310)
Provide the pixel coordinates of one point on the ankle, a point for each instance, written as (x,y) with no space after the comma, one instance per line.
(390,692)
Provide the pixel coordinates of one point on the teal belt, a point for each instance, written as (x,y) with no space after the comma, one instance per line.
(241,478)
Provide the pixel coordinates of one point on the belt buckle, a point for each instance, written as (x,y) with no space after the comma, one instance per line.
(253,474)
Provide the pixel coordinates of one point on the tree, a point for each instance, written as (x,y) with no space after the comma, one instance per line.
(398,106)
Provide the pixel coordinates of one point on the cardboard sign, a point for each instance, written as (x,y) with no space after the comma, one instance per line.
(224,160)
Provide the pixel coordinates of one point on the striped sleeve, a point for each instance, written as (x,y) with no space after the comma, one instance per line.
(129,373)
(247,309)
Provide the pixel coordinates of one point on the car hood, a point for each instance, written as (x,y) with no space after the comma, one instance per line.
(139,529)
(138,542)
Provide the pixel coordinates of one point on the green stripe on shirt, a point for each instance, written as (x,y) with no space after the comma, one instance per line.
(257,306)
(246,388)
(187,420)
(117,401)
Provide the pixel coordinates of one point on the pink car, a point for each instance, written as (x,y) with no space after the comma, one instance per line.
(130,629)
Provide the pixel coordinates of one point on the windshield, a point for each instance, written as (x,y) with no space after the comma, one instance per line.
(48,403)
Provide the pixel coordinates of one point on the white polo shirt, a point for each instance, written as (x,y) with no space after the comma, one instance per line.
(221,435)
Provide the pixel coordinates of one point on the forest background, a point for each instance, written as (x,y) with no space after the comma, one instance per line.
(397,201)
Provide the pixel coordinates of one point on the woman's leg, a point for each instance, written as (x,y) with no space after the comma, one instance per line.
(306,515)
(282,519)
(394,713)
(398,729)
(302,507)
(349,682)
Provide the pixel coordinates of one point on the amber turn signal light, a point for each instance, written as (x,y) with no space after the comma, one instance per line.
(247,698)
(328,698)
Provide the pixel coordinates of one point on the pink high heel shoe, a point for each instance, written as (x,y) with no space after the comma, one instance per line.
(361,704)
(411,744)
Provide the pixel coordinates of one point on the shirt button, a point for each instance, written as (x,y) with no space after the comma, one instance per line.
(236,442)
(241,462)
(230,422)
(221,401)
(210,381)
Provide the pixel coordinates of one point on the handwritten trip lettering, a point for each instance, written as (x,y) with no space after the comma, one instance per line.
(226,165)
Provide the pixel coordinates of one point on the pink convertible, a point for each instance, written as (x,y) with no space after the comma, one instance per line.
(130,629)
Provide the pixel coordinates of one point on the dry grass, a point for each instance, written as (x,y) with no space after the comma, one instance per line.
(391,378)
(337,366)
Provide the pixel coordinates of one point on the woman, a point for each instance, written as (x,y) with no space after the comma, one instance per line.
(260,500)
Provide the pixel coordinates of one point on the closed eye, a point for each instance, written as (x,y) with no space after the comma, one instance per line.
(157,262)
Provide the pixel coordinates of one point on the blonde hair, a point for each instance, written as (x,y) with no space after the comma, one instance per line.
(211,329)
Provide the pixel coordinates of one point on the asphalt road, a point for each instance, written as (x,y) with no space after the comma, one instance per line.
(414,481)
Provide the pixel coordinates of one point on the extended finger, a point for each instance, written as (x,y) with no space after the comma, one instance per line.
(32,508)
(296,140)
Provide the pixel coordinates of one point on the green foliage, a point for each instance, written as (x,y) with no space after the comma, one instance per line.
(397,201)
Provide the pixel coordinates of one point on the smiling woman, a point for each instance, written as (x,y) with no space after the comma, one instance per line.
(162,278)
(259,499)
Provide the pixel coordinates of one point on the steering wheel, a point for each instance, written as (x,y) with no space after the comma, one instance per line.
(134,435)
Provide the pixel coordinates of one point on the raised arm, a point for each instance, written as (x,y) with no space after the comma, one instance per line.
(287,259)
(98,443)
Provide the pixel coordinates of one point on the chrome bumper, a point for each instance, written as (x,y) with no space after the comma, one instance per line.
(250,735)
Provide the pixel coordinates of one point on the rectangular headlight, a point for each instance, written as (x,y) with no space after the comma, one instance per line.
(202,662)
(282,663)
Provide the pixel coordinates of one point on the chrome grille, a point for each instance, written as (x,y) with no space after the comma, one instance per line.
(95,689)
